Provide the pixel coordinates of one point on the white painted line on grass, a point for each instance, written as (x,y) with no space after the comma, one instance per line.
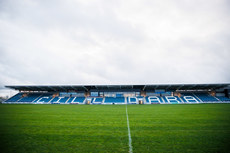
(130,139)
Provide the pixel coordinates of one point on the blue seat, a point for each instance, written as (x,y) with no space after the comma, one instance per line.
(30,97)
(15,98)
(98,99)
(132,99)
(223,98)
(79,100)
(45,98)
(70,99)
(205,97)
(189,99)
(55,100)
(63,99)
(114,100)
(172,99)
(153,99)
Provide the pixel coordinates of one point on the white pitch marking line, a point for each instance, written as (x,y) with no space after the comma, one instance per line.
(130,139)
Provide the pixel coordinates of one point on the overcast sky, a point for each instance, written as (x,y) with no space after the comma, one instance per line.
(114,42)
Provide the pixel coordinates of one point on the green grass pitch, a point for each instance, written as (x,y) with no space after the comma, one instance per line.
(103,128)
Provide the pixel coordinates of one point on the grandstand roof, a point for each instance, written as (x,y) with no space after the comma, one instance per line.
(169,87)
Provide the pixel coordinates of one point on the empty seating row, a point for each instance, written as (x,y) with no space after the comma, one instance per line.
(205,97)
(61,100)
(97,100)
(30,97)
(222,98)
(153,99)
(15,98)
(114,100)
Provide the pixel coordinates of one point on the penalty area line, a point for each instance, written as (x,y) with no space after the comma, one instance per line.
(129,135)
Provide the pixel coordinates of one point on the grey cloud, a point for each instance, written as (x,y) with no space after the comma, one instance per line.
(70,17)
(114,42)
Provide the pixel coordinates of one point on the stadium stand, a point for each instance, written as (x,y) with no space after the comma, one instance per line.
(185,98)
(139,94)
